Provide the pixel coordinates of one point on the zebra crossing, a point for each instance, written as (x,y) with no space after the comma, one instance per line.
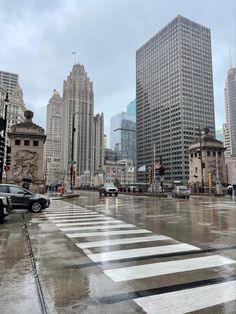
(97,236)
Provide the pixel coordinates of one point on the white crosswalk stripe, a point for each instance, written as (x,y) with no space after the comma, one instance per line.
(77,222)
(91,223)
(78,228)
(164,268)
(189,300)
(88,219)
(92,244)
(106,233)
(148,251)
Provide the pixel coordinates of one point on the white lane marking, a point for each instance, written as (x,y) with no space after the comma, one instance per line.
(123,241)
(89,223)
(102,218)
(149,251)
(121,226)
(164,268)
(189,300)
(105,233)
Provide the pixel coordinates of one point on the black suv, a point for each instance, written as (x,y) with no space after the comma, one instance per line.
(22,198)
(5,207)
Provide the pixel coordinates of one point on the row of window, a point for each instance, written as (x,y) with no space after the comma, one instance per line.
(26,142)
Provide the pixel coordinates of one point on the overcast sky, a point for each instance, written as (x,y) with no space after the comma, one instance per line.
(37,38)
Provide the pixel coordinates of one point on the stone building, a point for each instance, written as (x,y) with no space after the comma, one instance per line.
(27,144)
(205,157)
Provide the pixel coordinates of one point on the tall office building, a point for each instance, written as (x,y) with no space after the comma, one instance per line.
(230,112)
(78,104)
(174,95)
(123,135)
(52,148)
(9,80)
(15,107)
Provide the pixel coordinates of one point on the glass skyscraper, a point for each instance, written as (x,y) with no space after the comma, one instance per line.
(174,96)
(123,135)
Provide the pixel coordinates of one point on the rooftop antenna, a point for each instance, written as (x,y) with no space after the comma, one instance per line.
(74,53)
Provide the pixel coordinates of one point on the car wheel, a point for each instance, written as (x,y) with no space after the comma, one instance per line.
(116,194)
(105,194)
(36,207)
(100,194)
(1,219)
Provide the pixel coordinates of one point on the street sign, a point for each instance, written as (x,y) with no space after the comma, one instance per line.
(72,162)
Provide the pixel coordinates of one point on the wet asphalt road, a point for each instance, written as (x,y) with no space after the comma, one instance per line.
(122,255)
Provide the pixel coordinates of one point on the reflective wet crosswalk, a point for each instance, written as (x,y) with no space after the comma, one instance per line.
(141,255)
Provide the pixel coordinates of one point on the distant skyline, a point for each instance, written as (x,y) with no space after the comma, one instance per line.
(38,38)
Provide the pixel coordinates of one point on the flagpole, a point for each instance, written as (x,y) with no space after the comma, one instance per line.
(154,163)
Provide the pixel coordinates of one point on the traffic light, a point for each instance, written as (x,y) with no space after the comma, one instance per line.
(73,176)
(150,175)
(2,123)
(2,147)
(210,180)
(161,170)
(8,156)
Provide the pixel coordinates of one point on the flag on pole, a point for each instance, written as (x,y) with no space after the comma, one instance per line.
(142,168)
(73,52)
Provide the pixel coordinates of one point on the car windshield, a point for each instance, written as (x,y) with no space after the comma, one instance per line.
(109,185)
(183,188)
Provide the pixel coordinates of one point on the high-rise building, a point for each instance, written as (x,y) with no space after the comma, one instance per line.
(78,106)
(131,108)
(52,148)
(230,112)
(15,107)
(123,135)
(174,96)
(9,80)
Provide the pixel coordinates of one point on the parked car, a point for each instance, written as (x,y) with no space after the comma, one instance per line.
(181,191)
(22,198)
(108,189)
(5,207)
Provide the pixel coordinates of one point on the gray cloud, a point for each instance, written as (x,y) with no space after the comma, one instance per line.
(38,36)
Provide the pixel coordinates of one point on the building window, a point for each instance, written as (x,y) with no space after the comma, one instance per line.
(214,153)
(17,142)
(26,142)
(35,143)
(195,169)
(208,153)
(219,154)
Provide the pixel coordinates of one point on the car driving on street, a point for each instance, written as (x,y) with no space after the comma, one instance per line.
(108,189)
(22,198)
(181,191)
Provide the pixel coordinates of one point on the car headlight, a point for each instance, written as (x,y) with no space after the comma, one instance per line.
(4,201)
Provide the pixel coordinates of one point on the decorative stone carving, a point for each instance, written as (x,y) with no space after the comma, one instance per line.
(26,164)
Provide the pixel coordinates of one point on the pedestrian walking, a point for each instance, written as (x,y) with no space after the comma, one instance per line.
(230,190)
